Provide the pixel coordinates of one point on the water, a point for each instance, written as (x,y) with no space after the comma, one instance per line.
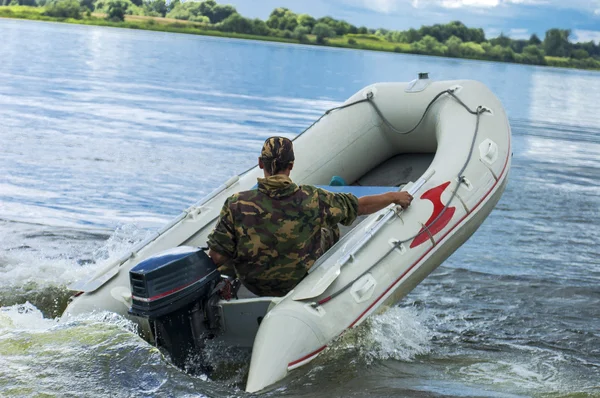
(105,134)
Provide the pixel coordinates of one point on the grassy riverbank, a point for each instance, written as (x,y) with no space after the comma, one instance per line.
(132,22)
(489,51)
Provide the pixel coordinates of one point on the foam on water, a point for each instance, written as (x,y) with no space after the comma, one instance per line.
(98,354)
(54,258)
(23,317)
(40,270)
(29,342)
(398,333)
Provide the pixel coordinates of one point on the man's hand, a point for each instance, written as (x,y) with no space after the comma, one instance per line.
(217,258)
(371,204)
(402,199)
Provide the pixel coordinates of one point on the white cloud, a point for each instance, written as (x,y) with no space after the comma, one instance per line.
(469,3)
(388,6)
(486,3)
(514,33)
(455,3)
(527,2)
(519,34)
(383,6)
(581,36)
(492,32)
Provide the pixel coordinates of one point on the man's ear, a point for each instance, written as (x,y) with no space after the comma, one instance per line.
(291,166)
(261,165)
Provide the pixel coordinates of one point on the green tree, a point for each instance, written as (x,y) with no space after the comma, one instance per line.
(327,20)
(342,28)
(306,21)
(88,4)
(363,30)
(221,13)
(453,45)
(518,45)
(533,54)
(499,53)
(323,31)
(301,33)
(395,36)
(116,10)
(477,35)
(206,8)
(590,47)
(535,40)
(63,9)
(433,31)
(259,27)
(472,50)
(203,19)
(236,23)
(556,43)
(18,3)
(412,35)
(501,40)
(209,8)
(429,45)
(579,54)
(189,10)
(155,8)
(508,55)
(282,19)
(455,28)
(172,5)
(286,34)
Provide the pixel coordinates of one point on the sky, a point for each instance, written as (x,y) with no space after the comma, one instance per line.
(515,18)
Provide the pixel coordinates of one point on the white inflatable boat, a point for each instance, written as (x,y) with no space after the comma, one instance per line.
(447,143)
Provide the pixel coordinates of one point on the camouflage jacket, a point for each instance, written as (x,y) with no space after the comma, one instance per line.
(273,234)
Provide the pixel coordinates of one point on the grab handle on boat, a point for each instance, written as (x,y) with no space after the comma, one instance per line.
(383,220)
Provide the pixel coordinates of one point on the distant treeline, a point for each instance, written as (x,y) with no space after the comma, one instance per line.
(452,40)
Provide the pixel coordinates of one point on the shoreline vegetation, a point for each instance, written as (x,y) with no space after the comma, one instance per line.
(453,40)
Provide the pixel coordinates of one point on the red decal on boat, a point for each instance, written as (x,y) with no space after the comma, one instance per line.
(304,358)
(435,196)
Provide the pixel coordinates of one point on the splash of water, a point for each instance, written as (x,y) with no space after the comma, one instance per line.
(40,270)
(399,333)
(98,352)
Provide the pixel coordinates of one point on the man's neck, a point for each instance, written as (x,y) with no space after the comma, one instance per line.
(284,173)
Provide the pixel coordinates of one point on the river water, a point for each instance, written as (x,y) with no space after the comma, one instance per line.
(106,134)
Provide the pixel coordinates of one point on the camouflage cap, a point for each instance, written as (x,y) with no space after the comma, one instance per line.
(277,153)
(279,149)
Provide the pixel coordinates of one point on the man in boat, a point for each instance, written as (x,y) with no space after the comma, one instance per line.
(272,235)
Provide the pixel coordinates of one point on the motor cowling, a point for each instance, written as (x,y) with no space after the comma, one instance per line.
(172,290)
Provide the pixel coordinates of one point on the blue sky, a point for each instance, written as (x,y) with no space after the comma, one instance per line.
(516,18)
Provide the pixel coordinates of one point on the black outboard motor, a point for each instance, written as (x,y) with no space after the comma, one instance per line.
(172,290)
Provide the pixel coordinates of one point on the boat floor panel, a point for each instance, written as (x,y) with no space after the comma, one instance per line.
(398,170)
